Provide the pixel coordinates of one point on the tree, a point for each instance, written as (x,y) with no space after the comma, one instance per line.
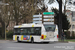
(65,22)
(23,10)
(4,17)
(3,21)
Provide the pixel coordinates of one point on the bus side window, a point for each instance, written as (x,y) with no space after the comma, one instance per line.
(16,31)
(38,30)
(25,31)
(32,31)
(29,31)
(21,31)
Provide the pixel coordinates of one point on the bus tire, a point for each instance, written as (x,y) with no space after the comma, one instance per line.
(18,39)
(32,40)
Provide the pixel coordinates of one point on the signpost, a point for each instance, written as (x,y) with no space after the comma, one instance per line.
(48,13)
(46,18)
(37,19)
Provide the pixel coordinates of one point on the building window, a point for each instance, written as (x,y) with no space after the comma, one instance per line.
(73,26)
(73,19)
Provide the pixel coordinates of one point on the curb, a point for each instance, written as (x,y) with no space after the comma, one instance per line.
(63,41)
(71,42)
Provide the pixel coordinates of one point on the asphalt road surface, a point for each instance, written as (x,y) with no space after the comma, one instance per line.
(13,45)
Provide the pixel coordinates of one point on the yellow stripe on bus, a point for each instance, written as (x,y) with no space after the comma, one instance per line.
(22,37)
(15,37)
(19,26)
(27,40)
(30,36)
(40,37)
(44,36)
(32,25)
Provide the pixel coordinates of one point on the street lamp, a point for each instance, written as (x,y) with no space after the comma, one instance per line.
(4,4)
(5,22)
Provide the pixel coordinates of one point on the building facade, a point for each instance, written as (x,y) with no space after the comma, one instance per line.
(71,19)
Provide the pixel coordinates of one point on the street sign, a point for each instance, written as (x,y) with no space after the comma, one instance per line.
(37,21)
(37,15)
(48,16)
(48,23)
(48,19)
(37,18)
(48,13)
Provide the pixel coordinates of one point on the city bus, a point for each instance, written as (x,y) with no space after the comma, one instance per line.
(36,33)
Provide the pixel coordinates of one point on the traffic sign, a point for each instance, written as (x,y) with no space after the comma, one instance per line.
(48,19)
(48,16)
(37,18)
(37,15)
(48,13)
(37,21)
(48,23)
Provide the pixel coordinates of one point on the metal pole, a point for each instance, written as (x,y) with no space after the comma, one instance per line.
(5,31)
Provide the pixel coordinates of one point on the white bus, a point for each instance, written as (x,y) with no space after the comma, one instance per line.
(36,33)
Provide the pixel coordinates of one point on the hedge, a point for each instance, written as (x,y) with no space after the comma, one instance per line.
(67,33)
(9,34)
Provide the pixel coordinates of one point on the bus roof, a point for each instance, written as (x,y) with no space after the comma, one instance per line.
(28,25)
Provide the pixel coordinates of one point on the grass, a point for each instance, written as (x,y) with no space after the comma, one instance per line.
(72,40)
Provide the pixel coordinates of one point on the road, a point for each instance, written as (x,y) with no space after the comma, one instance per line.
(13,45)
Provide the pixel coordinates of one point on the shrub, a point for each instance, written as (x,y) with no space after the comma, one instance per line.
(10,34)
(67,33)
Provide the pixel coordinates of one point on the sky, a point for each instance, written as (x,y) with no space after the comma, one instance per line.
(52,5)
(56,5)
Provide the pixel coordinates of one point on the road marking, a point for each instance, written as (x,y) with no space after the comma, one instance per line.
(16,47)
(64,47)
(36,49)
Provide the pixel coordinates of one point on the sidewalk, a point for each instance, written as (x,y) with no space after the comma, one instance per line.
(70,42)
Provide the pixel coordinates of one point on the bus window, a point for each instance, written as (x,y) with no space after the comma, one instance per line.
(16,31)
(32,31)
(49,27)
(22,31)
(38,30)
(28,31)
(25,31)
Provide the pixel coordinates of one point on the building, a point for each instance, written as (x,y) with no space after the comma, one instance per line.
(71,19)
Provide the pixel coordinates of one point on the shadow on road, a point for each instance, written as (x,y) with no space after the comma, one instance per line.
(37,42)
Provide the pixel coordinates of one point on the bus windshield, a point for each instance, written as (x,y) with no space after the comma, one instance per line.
(49,27)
